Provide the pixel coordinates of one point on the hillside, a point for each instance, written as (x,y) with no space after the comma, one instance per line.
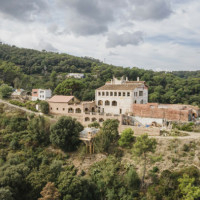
(29,69)
(30,162)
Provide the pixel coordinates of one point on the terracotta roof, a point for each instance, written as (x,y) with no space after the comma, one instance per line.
(119,87)
(60,99)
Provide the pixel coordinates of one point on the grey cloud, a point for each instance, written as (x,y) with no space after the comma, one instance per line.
(124,39)
(90,17)
(150,9)
(24,10)
(46,46)
(112,54)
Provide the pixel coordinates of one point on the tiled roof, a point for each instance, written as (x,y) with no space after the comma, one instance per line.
(119,87)
(60,99)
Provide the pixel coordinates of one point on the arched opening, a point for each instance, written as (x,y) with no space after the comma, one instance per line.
(87,119)
(100,103)
(135,101)
(94,119)
(107,103)
(93,109)
(114,103)
(101,120)
(141,102)
(70,110)
(86,110)
(78,110)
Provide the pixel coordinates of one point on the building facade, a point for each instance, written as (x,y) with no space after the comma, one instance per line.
(118,96)
(40,94)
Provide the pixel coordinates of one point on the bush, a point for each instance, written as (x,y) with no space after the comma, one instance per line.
(126,138)
(94,124)
(5,91)
(17,103)
(44,106)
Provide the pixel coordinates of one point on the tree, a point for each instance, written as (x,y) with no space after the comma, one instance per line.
(142,147)
(126,138)
(69,87)
(50,192)
(53,79)
(72,186)
(5,194)
(44,106)
(94,124)
(5,91)
(65,133)
(107,135)
(188,189)
(39,129)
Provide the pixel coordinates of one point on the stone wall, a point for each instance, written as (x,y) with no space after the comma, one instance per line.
(152,131)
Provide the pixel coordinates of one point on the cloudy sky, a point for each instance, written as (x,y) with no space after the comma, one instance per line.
(149,34)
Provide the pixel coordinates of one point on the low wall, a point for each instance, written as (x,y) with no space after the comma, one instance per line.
(148,120)
(152,131)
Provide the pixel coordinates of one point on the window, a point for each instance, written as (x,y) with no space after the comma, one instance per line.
(63,109)
(135,94)
(111,93)
(101,120)
(115,93)
(99,93)
(124,93)
(103,93)
(114,103)
(78,110)
(140,93)
(70,110)
(94,119)
(51,108)
(100,103)
(56,108)
(107,93)
(128,94)
(87,119)
(119,94)
(107,103)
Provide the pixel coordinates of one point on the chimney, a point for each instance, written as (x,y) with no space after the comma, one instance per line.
(138,78)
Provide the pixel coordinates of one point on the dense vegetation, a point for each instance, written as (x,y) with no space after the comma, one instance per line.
(33,69)
(32,165)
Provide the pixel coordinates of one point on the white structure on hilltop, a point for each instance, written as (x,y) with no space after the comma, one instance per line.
(40,94)
(118,96)
(75,75)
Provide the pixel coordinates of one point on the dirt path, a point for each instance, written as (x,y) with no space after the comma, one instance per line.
(191,135)
(27,111)
(21,108)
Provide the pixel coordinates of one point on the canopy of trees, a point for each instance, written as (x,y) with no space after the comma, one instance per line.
(40,69)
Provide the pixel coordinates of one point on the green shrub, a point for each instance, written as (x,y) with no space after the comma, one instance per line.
(44,106)
(17,103)
(126,138)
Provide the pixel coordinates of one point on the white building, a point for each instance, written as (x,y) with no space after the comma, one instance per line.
(118,96)
(75,75)
(41,94)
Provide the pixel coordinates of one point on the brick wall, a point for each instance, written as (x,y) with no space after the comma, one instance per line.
(166,111)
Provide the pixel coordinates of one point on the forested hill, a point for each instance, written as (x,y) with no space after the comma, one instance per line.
(28,68)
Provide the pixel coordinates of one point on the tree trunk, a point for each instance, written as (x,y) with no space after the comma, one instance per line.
(144,170)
